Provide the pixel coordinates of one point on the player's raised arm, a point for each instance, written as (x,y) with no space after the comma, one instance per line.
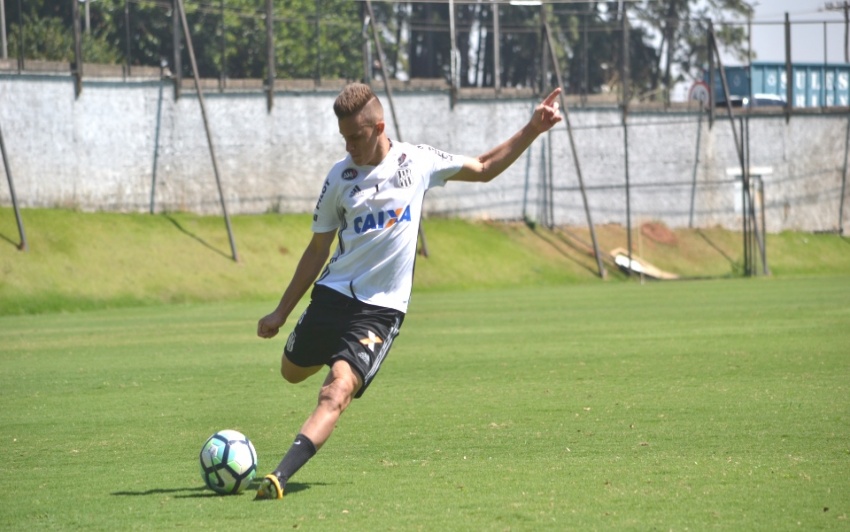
(492,163)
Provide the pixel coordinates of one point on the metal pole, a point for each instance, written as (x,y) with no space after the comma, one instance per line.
(453,64)
(711,76)
(156,137)
(557,68)
(714,51)
(585,61)
(223,49)
(178,59)
(3,28)
(544,50)
(525,189)
(551,173)
(745,211)
(23,245)
(20,37)
(379,49)
(497,50)
(696,168)
(765,269)
(624,65)
(843,181)
(127,33)
(207,126)
(624,75)
(318,29)
(88,16)
(847,32)
(758,234)
(789,72)
(367,45)
(750,56)
(78,52)
(270,56)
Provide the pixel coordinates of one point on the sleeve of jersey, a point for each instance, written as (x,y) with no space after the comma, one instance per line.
(325,215)
(443,165)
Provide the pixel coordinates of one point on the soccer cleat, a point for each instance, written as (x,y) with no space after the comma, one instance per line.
(269,488)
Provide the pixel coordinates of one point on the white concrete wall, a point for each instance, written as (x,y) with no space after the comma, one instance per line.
(97,152)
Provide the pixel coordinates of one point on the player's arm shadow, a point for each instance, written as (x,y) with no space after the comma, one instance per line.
(196,492)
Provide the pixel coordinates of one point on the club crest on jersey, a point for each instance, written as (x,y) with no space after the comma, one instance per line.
(381,220)
(404,177)
(349,173)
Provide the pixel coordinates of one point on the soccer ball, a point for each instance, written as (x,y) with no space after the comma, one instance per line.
(228,462)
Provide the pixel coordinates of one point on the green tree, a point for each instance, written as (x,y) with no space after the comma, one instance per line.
(47,34)
(683,26)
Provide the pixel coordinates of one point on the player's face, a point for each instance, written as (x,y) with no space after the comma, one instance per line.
(361,139)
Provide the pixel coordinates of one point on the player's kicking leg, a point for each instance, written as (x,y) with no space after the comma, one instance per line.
(339,388)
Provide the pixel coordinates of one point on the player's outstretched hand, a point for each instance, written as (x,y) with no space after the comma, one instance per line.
(547,114)
(269,326)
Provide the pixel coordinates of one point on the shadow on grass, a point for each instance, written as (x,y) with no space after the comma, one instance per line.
(550,238)
(9,240)
(716,248)
(201,492)
(195,237)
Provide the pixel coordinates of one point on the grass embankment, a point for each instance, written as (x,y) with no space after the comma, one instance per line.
(80,261)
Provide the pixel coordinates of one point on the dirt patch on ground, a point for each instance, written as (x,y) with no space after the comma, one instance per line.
(658,232)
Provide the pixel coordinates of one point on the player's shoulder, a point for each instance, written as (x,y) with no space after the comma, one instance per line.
(342,171)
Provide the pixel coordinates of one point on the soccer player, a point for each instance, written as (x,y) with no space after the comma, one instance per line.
(371,205)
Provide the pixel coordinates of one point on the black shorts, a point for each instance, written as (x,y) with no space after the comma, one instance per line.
(337,327)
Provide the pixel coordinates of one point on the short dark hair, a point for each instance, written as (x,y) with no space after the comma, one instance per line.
(352,99)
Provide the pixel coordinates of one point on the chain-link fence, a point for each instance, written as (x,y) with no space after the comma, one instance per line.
(609,52)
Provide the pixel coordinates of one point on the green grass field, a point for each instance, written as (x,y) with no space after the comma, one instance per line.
(687,405)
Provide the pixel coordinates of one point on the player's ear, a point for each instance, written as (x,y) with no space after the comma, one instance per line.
(379,126)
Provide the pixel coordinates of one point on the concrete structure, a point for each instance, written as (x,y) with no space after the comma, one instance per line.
(100,152)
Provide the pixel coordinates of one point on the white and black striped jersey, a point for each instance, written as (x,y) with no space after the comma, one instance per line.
(376,211)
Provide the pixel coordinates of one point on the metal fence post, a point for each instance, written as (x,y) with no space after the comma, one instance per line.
(269,56)
(23,245)
(197,77)
(78,51)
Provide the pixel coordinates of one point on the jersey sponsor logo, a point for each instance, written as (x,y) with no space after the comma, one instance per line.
(381,220)
(322,194)
(435,151)
(371,341)
(349,173)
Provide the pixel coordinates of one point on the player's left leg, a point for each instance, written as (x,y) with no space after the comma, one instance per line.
(339,388)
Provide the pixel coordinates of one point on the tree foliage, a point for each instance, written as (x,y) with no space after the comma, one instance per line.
(329,39)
